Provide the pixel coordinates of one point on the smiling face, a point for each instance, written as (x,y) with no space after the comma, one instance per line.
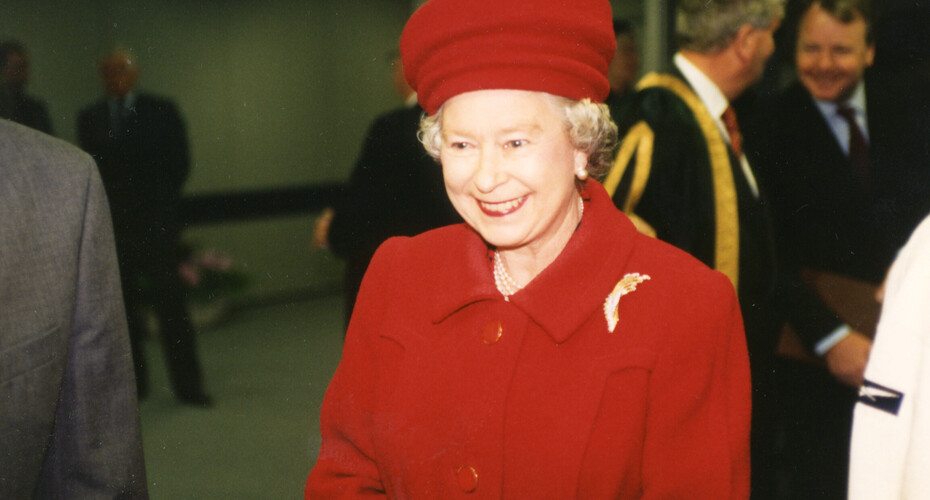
(509,168)
(832,56)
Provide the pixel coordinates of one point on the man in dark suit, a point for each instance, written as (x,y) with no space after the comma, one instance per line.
(140,146)
(15,103)
(68,415)
(876,171)
(395,189)
(845,159)
(682,174)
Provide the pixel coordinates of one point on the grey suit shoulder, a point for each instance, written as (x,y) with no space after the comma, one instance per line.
(68,411)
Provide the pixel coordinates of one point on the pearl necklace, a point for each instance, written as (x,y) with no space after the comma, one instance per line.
(502,280)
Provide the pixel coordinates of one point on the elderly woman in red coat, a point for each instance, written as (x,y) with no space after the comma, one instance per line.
(544,348)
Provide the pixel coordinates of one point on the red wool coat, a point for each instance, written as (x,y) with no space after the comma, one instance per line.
(446,390)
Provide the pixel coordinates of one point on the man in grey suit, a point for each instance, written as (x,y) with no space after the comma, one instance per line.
(69,423)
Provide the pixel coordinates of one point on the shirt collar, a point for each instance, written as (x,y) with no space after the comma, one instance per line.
(565,294)
(856,101)
(704,87)
(128,102)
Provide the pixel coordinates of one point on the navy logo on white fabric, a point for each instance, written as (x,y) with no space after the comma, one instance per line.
(880,397)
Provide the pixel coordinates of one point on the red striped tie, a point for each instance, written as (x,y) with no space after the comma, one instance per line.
(732,126)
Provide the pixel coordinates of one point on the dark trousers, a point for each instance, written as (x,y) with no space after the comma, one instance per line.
(816,419)
(148,270)
(764,435)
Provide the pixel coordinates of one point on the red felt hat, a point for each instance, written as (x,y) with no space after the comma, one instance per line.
(562,47)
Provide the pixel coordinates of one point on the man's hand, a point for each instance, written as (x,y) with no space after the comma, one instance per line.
(847,359)
(321,228)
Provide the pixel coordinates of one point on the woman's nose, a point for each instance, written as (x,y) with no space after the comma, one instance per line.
(490,171)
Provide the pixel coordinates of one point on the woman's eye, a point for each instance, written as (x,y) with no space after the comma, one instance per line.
(516,143)
(458,145)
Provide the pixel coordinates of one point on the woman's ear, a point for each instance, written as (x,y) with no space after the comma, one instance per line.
(581,165)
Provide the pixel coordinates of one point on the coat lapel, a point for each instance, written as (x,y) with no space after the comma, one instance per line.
(575,286)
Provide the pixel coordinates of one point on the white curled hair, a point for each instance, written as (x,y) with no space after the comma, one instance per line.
(588,124)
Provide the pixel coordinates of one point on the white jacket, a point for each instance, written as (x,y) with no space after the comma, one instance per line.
(890,455)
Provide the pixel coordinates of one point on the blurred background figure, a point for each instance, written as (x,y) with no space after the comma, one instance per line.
(15,104)
(395,189)
(890,449)
(140,145)
(682,167)
(624,67)
(845,155)
(68,412)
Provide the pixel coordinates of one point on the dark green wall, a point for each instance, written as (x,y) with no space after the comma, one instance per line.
(275,93)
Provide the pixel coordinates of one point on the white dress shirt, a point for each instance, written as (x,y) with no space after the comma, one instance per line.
(838,124)
(716,103)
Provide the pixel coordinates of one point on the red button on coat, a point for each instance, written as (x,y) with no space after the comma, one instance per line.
(468,478)
(492,332)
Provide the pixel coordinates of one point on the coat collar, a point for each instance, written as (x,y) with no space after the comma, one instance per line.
(565,294)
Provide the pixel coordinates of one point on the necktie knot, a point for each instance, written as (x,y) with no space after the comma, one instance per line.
(846,111)
(732,126)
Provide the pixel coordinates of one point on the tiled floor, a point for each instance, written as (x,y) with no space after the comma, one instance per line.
(267,370)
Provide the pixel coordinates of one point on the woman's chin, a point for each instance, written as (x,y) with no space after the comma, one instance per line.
(501,240)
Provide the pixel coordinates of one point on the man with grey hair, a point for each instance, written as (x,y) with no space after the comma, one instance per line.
(681,174)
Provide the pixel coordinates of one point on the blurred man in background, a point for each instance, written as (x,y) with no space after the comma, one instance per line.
(395,189)
(845,156)
(624,67)
(140,145)
(15,104)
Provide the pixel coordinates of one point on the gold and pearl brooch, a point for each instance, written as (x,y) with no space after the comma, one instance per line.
(612,305)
